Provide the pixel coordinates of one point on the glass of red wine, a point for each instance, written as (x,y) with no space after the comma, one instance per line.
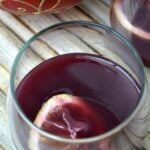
(132,19)
(78,86)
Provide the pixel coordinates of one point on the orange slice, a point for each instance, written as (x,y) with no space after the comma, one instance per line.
(66,116)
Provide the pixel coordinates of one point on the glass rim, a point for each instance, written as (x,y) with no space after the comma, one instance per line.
(89,139)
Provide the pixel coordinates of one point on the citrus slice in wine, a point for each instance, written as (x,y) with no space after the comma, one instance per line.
(66,116)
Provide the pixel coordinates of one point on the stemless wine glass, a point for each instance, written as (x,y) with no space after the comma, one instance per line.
(84,38)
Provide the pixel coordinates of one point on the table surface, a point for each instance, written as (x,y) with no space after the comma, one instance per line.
(15,30)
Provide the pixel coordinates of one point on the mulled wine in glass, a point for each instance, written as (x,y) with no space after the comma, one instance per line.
(78,85)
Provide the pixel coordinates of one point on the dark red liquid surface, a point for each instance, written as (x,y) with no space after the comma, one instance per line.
(103,85)
(137,13)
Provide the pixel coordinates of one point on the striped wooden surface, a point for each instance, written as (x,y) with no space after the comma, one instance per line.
(15,30)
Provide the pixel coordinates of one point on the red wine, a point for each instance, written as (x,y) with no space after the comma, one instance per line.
(132,19)
(103,85)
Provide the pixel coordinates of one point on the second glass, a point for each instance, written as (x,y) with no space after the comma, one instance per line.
(132,19)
